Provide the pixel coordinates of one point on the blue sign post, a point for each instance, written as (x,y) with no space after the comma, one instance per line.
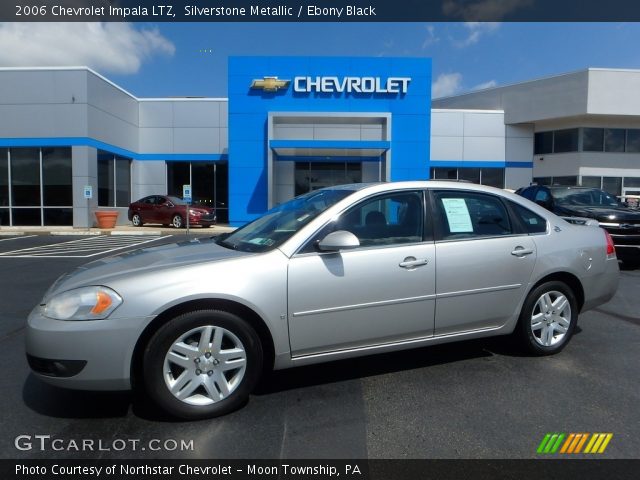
(186,196)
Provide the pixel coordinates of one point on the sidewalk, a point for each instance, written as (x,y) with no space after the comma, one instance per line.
(118,230)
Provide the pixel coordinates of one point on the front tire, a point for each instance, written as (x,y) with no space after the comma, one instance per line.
(202,364)
(548,318)
(176,221)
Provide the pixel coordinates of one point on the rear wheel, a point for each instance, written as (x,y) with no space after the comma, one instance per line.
(136,220)
(202,364)
(176,221)
(548,318)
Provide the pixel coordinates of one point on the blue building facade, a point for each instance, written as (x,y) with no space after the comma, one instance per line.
(324,112)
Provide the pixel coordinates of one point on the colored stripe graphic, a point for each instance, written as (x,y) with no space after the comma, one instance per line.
(573,443)
(598,443)
(551,442)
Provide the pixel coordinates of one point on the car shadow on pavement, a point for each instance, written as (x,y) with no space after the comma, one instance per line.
(372,365)
(62,403)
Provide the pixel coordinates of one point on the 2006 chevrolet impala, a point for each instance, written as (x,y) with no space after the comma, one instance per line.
(338,272)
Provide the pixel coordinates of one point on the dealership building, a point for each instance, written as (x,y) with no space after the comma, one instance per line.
(295,124)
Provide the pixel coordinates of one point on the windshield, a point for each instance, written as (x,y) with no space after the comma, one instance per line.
(177,201)
(585,197)
(282,222)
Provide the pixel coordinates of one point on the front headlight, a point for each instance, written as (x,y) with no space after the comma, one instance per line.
(86,303)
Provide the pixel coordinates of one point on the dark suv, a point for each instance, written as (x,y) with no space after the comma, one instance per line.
(620,221)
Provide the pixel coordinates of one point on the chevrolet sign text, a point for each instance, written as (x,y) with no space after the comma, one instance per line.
(391,85)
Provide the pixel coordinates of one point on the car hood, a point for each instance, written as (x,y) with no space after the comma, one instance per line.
(602,214)
(144,261)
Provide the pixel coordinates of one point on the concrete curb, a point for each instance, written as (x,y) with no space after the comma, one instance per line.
(18,232)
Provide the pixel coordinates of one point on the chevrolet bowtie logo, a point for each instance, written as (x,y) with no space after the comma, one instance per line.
(270,84)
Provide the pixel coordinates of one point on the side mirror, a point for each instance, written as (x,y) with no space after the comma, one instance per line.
(339,240)
(169,204)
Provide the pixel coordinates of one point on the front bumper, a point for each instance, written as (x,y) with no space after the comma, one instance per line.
(204,220)
(100,351)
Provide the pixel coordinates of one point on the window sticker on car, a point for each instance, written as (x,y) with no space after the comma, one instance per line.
(261,241)
(457,215)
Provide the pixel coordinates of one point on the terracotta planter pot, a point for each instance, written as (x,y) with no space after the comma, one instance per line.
(106,218)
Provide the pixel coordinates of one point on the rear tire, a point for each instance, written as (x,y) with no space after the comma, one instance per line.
(176,221)
(136,220)
(202,364)
(548,318)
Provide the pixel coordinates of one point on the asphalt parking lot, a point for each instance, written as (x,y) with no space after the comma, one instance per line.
(477,399)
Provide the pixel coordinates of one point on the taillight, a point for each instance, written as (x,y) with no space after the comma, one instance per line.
(611,249)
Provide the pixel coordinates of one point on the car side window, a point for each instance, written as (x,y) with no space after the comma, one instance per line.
(532,222)
(161,201)
(149,201)
(390,219)
(463,214)
(541,196)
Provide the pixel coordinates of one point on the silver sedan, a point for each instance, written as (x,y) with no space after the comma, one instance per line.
(336,273)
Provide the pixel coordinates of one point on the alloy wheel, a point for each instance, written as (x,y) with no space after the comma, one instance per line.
(551,318)
(205,365)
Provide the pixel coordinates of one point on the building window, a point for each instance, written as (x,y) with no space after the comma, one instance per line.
(36,186)
(543,143)
(633,182)
(593,139)
(25,177)
(444,173)
(590,181)
(469,174)
(493,177)
(633,141)
(565,140)
(311,176)
(570,180)
(614,139)
(114,180)
(209,184)
(612,185)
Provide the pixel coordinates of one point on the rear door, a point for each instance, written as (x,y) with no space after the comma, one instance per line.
(483,261)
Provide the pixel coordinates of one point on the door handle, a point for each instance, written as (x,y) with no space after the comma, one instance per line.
(412,262)
(521,251)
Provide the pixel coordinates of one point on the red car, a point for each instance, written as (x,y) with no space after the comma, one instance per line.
(169,210)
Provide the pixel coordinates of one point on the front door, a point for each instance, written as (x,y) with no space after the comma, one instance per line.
(381,292)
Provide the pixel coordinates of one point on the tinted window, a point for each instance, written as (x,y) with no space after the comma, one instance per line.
(592,139)
(532,222)
(541,196)
(614,140)
(565,140)
(543,143)
(470,214)
(390,219)
(633,141)
(493,177)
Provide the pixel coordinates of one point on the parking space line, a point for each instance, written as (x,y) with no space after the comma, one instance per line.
(16,238)
(81,248)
